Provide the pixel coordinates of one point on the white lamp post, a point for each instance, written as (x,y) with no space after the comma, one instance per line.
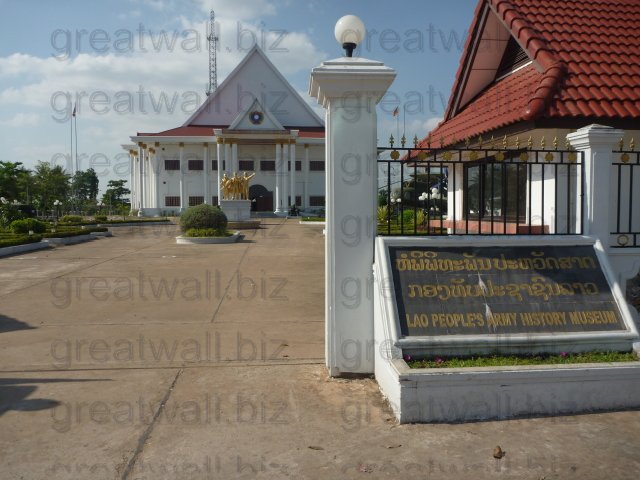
(349,32)
(349,89)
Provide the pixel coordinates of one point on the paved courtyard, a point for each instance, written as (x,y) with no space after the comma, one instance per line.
(133,357)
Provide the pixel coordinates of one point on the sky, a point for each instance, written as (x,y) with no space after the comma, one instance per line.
(142,65)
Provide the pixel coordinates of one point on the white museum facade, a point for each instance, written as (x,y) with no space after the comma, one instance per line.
(254,122)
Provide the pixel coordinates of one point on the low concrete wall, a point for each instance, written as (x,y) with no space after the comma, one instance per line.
(70,240)
(27,247)
(207,240)
(488,393)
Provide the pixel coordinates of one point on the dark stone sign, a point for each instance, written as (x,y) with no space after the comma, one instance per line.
(501,290)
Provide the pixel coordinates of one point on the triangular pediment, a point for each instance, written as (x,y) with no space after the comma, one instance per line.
(255,78)
(256,117)
(483,59)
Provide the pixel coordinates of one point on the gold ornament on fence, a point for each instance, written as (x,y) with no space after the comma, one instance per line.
(395,155)
(422,155)
(447,155)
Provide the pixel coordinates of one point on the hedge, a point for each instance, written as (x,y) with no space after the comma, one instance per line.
(19,240)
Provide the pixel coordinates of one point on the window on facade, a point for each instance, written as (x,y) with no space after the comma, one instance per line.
(298,165)
(298,200)
(172,164)
(214,200)
(196,164)
(316,166)
(495,190)
(246,165)
(171,201)
(193,201)
(214,165)
(316,201)
(267,165)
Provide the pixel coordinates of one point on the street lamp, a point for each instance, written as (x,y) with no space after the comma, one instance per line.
(56,205)
(349,32)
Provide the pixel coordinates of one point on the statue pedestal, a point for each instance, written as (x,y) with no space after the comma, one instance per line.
(236,210)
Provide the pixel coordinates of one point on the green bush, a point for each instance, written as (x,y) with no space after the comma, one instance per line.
(202,217)
(100,218)
(23,226)
(207,232)
(71,219)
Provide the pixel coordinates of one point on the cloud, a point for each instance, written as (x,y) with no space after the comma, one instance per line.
(242,9)
(22,120)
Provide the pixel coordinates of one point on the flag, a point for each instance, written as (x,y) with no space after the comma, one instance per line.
(395,113)
(74,110)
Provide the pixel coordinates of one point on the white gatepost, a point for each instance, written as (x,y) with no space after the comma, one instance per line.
(349,89)
(597,142)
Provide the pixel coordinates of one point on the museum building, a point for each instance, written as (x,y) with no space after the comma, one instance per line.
(254,122)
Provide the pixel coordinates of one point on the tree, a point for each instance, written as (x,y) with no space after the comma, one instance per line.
(13,178)
(50,184)
(85,186)
(115,194)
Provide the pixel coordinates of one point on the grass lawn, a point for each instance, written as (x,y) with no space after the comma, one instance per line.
(515,360)
(313,219)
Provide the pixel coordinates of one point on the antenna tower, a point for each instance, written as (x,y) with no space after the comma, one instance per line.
(212,40)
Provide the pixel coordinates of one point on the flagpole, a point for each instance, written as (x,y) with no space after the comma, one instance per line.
(75,117)
(71,142)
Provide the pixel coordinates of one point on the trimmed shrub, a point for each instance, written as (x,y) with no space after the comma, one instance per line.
(71,219)
(100,218)
(19,240)
(23,226)
(203,217)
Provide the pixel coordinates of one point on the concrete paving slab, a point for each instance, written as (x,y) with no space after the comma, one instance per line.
(259,406)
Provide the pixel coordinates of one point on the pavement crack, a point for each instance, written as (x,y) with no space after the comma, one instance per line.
(226,290)
(126,474)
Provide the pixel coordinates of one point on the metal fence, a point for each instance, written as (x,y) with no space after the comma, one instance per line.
(480,191)
(626,182)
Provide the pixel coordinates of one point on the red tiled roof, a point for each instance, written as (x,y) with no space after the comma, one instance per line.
(587,53)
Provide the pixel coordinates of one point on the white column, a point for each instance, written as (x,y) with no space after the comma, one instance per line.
(205,170)
(227,157)
(285,178)
(132,166)
(305,169)
(156,187)
(219,160)
(182,168)
(292,156)
(234,155)
(140,179)
(597,142)
(278,197)
(158,199)
(349,89)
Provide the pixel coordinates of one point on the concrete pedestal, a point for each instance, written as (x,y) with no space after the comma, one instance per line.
(236,210)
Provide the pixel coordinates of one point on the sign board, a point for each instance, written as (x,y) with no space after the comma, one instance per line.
(478,295)
(493,290)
